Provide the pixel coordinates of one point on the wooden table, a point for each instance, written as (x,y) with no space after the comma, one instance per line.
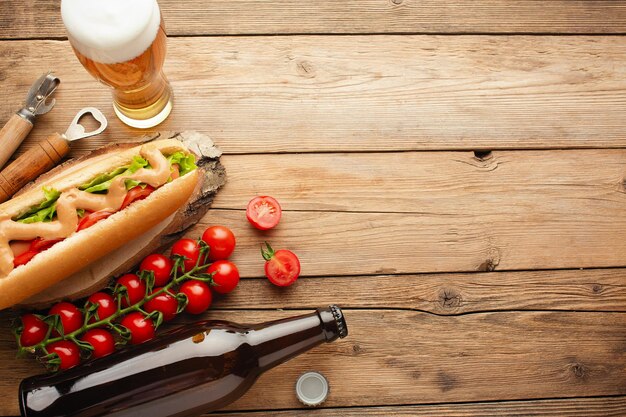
(452,174)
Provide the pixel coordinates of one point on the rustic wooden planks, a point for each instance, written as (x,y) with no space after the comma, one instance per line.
(445,294)
(199,17)
(430,359)
(360,93)
(589,407)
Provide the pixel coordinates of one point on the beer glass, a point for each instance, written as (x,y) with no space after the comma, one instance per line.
(122,44)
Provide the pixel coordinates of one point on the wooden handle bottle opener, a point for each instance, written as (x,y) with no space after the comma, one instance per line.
(21,123)
(46,154)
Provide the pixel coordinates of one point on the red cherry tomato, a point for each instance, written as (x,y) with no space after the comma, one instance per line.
(282,267)
(135,194)
(141,328)
(106,306)
(263,212)
(68,352)
(33,330)
(71,317)
(39,244)
(221,241)
(92,218)
(188,248)
(102,341)
(135,289)
(24,258)
(198,294)
(164,303)
(226,276)
(160,265)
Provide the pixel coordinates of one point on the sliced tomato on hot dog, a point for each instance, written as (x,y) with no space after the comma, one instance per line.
(136,193)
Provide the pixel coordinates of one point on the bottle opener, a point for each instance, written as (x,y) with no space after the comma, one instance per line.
(21,123)
(46,154)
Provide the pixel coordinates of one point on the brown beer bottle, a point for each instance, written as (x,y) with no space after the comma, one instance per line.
(185,372)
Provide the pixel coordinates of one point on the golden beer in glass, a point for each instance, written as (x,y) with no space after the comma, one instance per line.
(122,43)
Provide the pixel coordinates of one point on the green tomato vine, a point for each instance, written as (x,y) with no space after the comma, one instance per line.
(52,360)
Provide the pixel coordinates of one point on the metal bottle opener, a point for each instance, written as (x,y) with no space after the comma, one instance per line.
(46,154)
(21,123)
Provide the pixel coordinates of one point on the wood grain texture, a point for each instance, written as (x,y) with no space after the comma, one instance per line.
(359,93)
(37,18)
(428,359)
(335,243)
(432,211)
(445,294)
(588,407)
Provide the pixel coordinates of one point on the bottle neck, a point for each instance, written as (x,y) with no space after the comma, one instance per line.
(278,341)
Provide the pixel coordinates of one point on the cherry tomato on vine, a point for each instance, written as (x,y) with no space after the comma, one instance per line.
(33,330)
(135,194)
(221,241)
(198,294)
(141,328)
(102,341)
(160,265)
(68,352)
(164,303)
(92,218)
(282,267)
(135,289)
(71,317)
(226,276)
(263,212)
(188,248)
(106,306)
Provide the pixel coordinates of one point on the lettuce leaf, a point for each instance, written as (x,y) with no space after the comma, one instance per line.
(102,182)
(45,211)
(186,163)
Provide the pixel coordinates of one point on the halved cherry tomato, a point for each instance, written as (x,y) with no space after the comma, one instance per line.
(71,317)
(40,244)
(34,330)
(68,352)
(135,194)
(141,328)
(101,340)
(263,212)
(225,276)
(92,218)
(24,258)
(135,289)
(282,267)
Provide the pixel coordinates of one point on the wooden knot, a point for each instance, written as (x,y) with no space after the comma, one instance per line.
(450,298)
(579,370)
(305,69)
(483,155)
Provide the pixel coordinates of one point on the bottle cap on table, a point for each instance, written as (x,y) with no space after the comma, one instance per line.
(312,388)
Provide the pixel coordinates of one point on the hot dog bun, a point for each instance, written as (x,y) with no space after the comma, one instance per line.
(98,274)
(82,248)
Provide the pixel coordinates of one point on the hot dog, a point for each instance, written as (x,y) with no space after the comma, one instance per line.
(87,210)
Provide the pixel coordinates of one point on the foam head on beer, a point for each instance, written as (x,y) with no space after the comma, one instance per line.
(111,31)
